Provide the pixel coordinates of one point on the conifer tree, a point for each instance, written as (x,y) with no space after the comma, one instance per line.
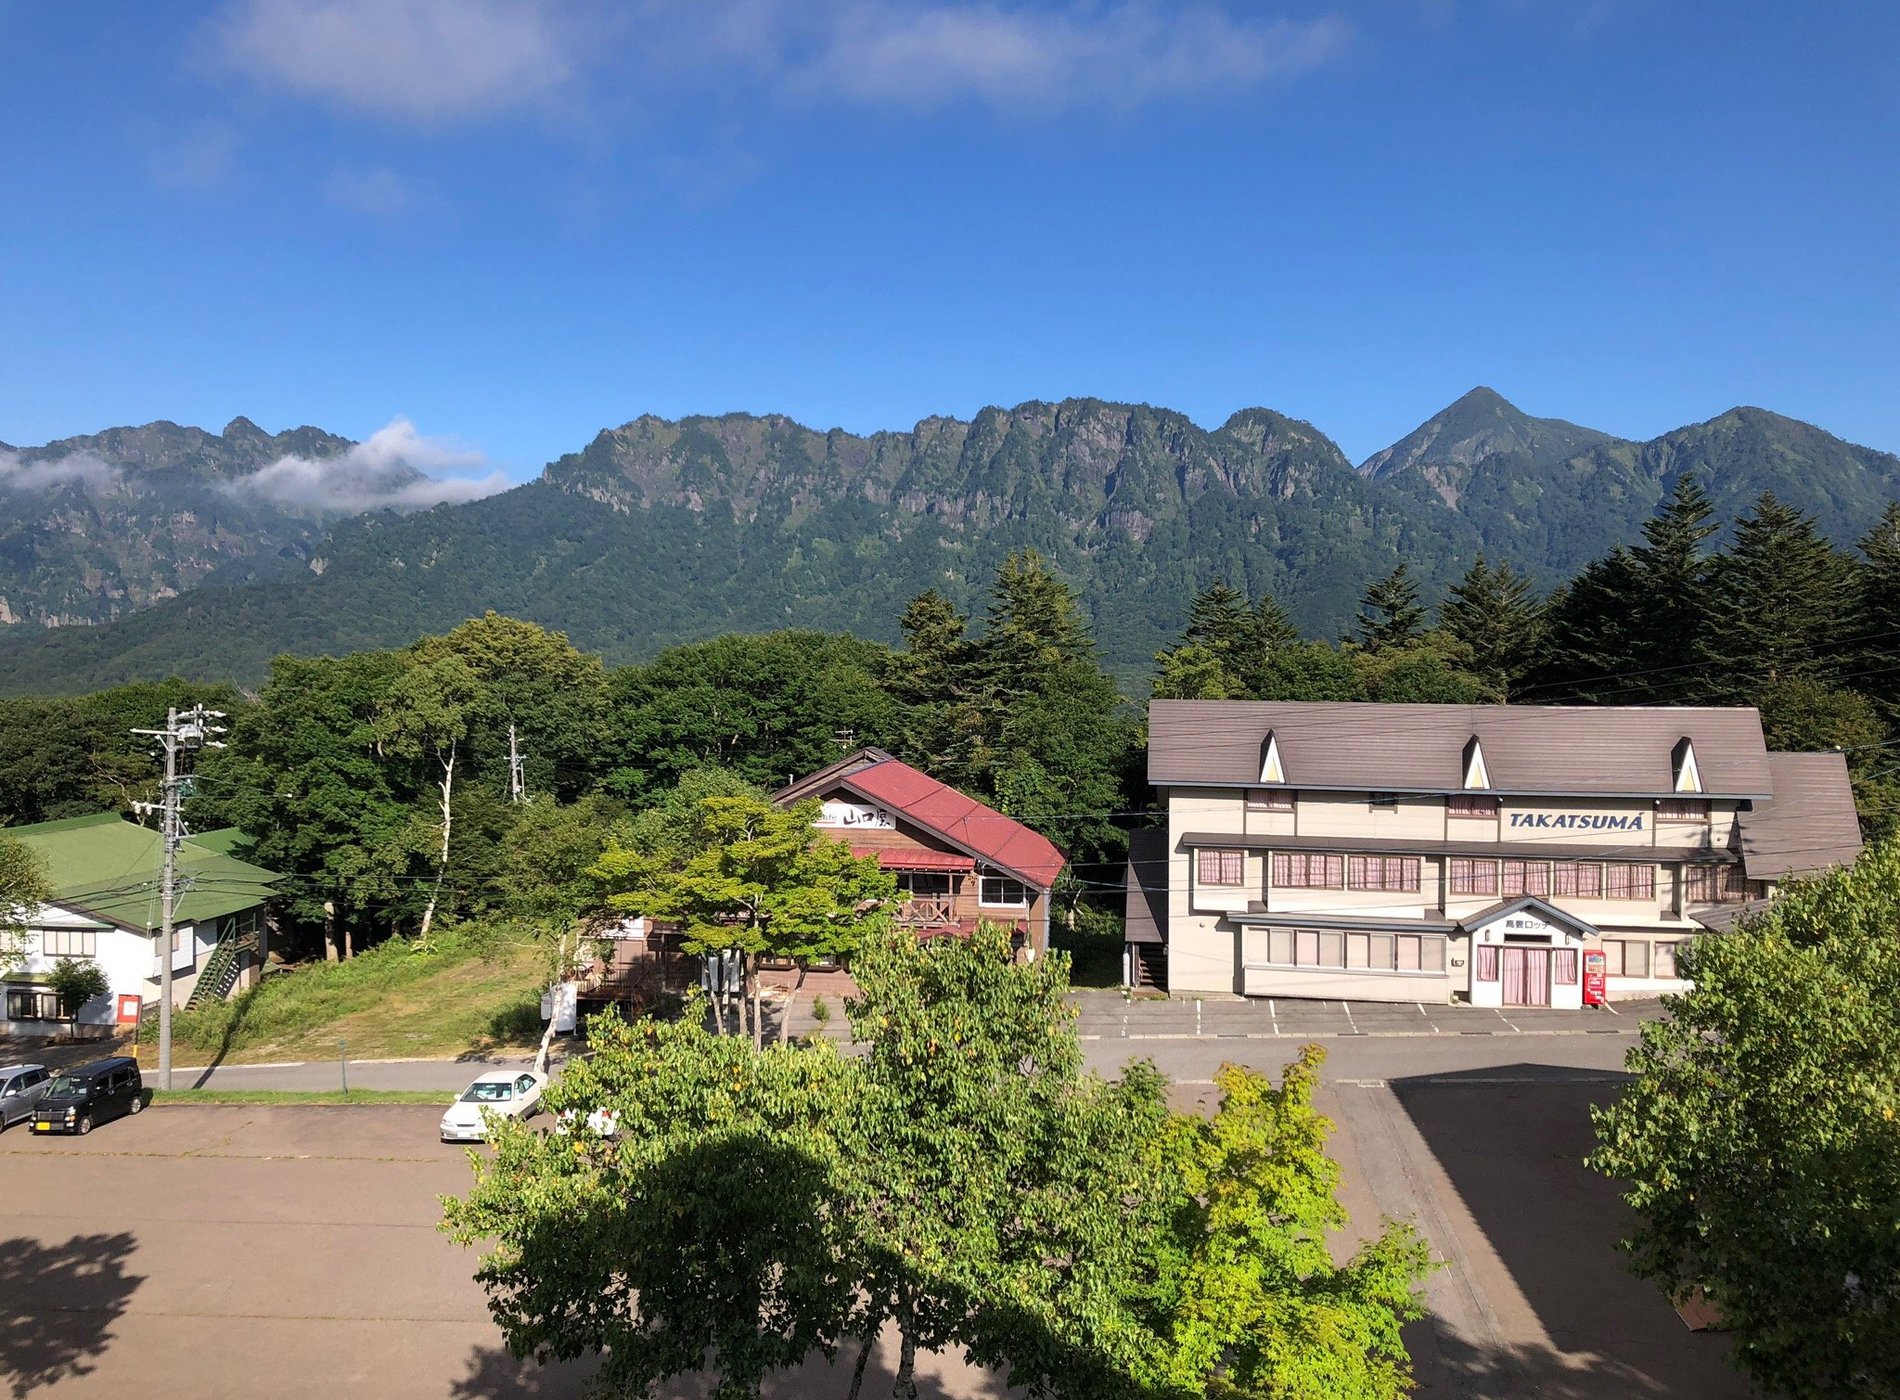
(1877,615)
(1593,636)
(1784,595)
(1495,616)
(1390,613)
(1668,599)
(1218,617)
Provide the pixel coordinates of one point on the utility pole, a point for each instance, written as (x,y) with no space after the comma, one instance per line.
(517,769)
(184,732)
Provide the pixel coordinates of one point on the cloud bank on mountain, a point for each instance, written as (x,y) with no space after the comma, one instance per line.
(396,467)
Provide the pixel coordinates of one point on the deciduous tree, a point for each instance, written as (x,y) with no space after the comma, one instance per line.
(747,875)
(1759,1144)
(23,888)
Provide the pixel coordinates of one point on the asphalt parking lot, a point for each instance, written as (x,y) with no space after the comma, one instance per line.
(1110,1016)
(292,1251)
(278,1251)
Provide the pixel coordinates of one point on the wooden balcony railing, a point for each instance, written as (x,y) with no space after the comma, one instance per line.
(926,911)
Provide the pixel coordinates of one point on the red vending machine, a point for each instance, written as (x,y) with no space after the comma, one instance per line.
(1595,980)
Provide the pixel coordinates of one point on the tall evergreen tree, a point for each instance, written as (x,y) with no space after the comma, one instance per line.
(1218,617)
(1496,617)
(1390,613)
(1784,594)
(1228,650)
(1877,616)
(932,678)
(1669,599)
(1033,622)
(1593,636)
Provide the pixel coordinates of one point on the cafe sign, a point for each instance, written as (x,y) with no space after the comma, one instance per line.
(856,815)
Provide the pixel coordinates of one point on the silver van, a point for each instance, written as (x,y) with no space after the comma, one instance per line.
(21,1086)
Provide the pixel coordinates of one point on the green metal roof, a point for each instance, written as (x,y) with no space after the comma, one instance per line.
(108,867)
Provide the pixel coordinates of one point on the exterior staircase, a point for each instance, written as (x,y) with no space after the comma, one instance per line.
(220,972)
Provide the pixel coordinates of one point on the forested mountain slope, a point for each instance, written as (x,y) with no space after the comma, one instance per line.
(1550,496)
(660,532)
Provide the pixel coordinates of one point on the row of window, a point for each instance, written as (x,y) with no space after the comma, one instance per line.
(1563,879)
(69,943)
(1568,879)
(993,891)
(1622,957)
(1473,804)
(1369,952)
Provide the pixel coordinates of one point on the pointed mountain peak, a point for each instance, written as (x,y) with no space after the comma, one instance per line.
(241,428)
(1480,424)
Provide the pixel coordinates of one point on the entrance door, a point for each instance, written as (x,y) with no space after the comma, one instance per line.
(1527,977)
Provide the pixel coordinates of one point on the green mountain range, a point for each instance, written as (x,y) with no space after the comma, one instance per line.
(659,531)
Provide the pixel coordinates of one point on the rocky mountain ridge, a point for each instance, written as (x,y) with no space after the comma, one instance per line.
(660,531)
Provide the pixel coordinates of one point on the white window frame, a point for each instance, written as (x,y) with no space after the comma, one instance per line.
(74,942)
(983,892)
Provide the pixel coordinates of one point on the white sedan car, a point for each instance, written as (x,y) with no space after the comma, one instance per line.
(506,1093)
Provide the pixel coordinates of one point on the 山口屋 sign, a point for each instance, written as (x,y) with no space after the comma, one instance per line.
(855,814)
(1576,821)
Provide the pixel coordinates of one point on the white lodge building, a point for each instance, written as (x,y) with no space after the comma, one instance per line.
(1435,853)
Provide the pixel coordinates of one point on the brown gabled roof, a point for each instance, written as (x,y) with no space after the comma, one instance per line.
(1809,824)
(1529,750)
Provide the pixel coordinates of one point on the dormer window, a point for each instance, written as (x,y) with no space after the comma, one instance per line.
(1271,769)
(1476,774)
(1688,777)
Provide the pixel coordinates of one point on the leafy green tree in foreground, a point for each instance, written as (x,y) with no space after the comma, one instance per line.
(1760,1143)
(23,887)
(964,1183)
(704,1236)
(745,874)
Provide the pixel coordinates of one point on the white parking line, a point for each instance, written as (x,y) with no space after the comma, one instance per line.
(1273,1015)
(1346,1006)
(1611,1009)
(1514,1029)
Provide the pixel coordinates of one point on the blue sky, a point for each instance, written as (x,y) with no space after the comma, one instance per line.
(515,224)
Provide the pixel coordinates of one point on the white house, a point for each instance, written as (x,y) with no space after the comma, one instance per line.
(104,873)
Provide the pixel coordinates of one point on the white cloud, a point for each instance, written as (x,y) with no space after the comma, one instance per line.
(378,192)
(430,60)
(397,467)
(1113,55)
(45,475)
(442,60)
(198,157)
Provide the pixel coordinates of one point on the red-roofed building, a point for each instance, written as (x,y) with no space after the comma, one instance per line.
(956,861)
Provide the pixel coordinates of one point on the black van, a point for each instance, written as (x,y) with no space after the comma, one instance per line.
(90,1094)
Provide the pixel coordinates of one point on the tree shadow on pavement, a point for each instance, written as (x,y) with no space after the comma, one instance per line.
(1573,1322)
(495,1375)
(57,1306)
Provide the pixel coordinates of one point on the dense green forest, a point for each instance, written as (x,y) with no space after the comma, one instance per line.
(660,532)
(345,770)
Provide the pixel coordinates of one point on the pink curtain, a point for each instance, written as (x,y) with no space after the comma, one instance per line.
(1527,977)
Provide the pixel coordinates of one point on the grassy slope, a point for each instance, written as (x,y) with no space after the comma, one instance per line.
(390,1003)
